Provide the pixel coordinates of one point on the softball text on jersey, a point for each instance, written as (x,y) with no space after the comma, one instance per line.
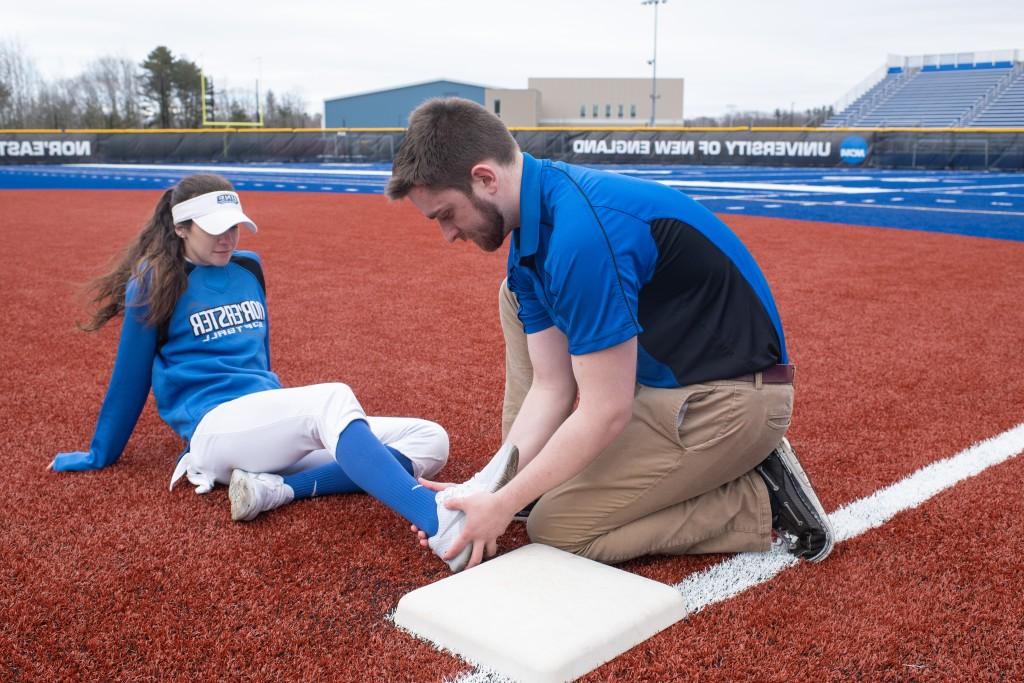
(218,321)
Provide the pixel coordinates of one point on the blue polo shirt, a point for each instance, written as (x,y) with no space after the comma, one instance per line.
(605,257)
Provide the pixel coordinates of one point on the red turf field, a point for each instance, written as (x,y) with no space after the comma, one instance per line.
(909,347)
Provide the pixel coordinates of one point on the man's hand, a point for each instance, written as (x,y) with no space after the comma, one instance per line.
(487,517)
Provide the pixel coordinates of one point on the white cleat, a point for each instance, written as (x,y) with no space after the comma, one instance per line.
(252,493)
(498,472)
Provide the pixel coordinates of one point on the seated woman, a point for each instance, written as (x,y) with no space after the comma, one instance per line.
(196,330)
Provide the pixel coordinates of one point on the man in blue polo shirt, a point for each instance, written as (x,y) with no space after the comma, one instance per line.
(648,388)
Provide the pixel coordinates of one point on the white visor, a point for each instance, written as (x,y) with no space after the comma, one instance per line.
(214,212)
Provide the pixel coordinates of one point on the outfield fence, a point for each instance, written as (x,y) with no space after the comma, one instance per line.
(933,148)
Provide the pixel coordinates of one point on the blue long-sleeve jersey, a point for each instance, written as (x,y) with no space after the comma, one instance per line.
(215,348)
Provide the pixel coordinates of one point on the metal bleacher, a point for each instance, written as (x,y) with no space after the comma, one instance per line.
(1006,108)
(871,98)
(929,91)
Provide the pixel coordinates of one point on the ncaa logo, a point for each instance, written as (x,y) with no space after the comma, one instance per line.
(854,150)
(227,199)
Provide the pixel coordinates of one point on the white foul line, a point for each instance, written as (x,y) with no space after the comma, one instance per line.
(887,207)
(746,570)
(777,187)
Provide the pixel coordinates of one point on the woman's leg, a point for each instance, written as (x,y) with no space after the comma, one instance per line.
(270,431)
(420,446)
(319,474)
(371,466)
(423,442)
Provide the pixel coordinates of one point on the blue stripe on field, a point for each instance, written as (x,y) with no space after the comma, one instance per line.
(965,203)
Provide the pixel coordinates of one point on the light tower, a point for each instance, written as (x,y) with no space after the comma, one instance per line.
(653,61)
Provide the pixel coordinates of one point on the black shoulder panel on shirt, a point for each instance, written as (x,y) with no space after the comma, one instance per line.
(701,317)
(253,266)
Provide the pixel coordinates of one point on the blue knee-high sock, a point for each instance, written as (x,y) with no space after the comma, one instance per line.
(369,464)
(330,478)
(321,481)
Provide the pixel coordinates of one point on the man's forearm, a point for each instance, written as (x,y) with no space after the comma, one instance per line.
(554,448)
(544,409)
(573,446)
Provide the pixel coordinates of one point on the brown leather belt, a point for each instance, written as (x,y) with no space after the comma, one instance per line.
(775,374)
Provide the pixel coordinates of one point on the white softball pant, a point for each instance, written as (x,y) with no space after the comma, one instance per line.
(285,431)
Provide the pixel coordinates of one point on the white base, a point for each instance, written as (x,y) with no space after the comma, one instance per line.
(538,614)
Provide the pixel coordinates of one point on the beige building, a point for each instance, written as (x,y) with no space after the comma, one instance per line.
(588,102)
(516,107)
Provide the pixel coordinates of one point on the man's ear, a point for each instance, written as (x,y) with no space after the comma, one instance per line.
(485,174)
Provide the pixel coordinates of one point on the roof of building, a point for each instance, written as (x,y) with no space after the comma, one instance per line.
(405,86)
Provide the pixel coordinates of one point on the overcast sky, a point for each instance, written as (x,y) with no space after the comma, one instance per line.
(745,54)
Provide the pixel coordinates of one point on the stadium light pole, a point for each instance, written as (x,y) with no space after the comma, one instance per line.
(653,61)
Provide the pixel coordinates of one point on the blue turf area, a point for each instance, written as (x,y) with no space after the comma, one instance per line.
(966,203)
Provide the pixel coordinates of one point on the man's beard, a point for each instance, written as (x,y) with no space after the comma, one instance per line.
(491,235)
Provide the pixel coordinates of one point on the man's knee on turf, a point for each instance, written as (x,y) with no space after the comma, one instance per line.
(543,527)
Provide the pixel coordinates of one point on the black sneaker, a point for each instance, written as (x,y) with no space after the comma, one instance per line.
(797,514)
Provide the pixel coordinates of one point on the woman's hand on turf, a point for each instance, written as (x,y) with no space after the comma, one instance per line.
(73,461)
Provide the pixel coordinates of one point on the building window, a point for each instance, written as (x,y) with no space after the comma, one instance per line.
(583,111)
(632,111)
(595,111)
(620,111)
(497,107)
(607,111)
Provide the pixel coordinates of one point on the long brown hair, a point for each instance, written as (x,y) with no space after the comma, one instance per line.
(155,259)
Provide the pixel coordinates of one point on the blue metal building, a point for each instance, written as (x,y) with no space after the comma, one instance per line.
(390,108)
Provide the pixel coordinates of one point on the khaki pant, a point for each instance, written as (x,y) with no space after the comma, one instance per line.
(679,479)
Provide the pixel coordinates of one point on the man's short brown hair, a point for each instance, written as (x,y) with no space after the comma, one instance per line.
(445,139)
